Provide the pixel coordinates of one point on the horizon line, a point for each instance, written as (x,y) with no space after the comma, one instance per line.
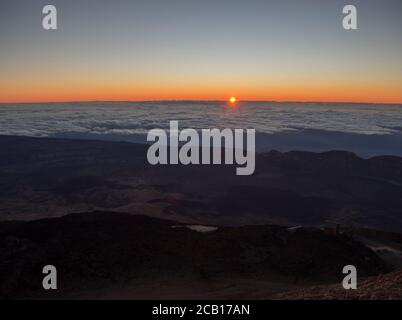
(199,100)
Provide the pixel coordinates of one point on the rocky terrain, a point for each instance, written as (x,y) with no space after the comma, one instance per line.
(41,177)
(115,255)
(117,227)
(384,287)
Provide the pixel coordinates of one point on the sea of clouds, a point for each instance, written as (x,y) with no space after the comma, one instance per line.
(138,117)
(130,121)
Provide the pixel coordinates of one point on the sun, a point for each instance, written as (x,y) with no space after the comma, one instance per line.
(233,100)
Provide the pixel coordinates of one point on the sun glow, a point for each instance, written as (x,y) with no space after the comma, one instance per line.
(232,100)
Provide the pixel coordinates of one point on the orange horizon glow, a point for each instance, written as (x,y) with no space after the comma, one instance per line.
(108,84)
(380,96)
(68,100)
(72,89)
(90,88)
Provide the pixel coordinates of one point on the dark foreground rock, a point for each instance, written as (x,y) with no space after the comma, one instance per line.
(114,253)
(384,287)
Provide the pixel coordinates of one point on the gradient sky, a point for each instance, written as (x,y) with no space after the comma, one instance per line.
(289,50)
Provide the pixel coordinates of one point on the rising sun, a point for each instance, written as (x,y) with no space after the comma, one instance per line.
(232,100)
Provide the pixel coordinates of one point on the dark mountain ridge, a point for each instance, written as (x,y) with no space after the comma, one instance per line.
(45,177)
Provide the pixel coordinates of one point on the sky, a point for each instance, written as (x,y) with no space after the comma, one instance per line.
(282,50)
